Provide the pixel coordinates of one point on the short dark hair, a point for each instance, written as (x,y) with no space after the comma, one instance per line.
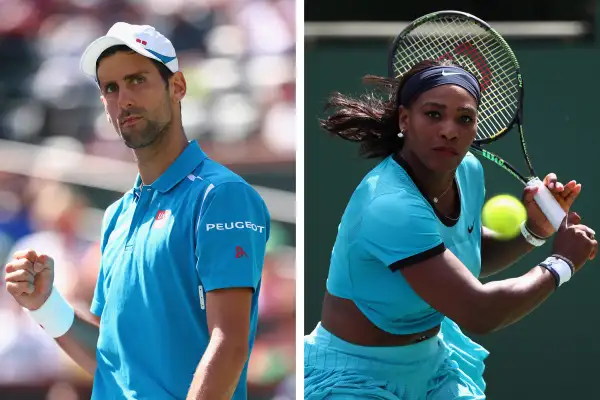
(370,120)
(164,72)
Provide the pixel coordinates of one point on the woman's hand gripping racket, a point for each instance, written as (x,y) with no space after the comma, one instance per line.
(473,44)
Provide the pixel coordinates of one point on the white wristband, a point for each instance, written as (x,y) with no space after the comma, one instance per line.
(56,316)
(532,240)
(560,267)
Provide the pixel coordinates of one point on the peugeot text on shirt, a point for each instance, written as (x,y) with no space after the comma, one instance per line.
(225,226)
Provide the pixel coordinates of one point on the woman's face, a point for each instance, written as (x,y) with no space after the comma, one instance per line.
(440,126)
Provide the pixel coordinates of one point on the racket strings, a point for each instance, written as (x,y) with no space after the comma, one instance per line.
(496,100)
(481,53)
(491,110)
(433,51)
(505,82)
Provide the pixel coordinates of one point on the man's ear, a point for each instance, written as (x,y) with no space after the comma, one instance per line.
(178,86)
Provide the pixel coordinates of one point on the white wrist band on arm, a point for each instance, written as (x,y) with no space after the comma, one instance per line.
(530,237)
(56,316)
(560,267)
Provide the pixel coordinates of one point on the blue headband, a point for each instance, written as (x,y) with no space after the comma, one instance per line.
(435,76)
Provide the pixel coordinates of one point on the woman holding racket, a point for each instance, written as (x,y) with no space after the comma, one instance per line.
(410,249)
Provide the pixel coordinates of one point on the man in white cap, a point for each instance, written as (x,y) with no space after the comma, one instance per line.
(182,251)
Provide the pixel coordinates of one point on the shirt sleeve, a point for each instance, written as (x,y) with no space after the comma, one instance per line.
(99,297)
(400,230)
(232,233)
(99,292)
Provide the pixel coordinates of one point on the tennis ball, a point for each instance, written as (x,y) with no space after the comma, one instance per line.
(504,214)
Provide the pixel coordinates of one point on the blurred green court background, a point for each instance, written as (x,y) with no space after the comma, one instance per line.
(552,353)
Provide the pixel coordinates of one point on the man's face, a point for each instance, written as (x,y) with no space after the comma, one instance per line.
(135,97)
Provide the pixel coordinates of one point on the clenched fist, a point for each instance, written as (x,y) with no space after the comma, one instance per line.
(29,278)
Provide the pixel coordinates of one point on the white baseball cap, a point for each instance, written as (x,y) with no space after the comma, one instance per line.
(142,39)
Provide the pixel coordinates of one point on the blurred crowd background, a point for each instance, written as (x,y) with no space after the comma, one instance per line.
(62,164)
(343,44)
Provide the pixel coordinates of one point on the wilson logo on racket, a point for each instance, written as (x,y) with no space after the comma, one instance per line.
(492,157)
(468,49)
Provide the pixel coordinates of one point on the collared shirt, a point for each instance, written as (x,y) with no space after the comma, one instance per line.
(197,228)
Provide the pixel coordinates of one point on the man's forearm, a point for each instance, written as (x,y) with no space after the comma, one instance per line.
(80,342)
(497,254)
(219,371)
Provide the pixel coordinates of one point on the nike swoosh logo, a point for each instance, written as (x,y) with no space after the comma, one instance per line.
(444,73)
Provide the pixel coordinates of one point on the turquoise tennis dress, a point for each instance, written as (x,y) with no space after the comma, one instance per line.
(389,225)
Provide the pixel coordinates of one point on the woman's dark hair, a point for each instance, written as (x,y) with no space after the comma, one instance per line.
(370,119)
(164,72)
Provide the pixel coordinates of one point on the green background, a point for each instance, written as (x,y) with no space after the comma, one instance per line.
(552,353)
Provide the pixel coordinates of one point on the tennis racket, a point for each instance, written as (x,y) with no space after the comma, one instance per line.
(473,44)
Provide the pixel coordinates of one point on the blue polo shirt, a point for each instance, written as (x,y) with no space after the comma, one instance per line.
(197,228)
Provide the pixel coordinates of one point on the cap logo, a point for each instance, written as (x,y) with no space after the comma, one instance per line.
(141,41)
(161,57)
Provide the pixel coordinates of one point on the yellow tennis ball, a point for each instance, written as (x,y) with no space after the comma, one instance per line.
(504,214)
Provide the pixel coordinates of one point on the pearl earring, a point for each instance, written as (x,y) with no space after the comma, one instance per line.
(401,134)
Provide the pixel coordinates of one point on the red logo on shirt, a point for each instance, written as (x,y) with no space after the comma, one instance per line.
(161,218)
(239,252)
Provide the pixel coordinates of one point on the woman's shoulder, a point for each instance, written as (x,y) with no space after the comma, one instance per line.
(400,206)
(388,178)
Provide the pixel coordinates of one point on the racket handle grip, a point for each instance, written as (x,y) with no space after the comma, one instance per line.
(548,203)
